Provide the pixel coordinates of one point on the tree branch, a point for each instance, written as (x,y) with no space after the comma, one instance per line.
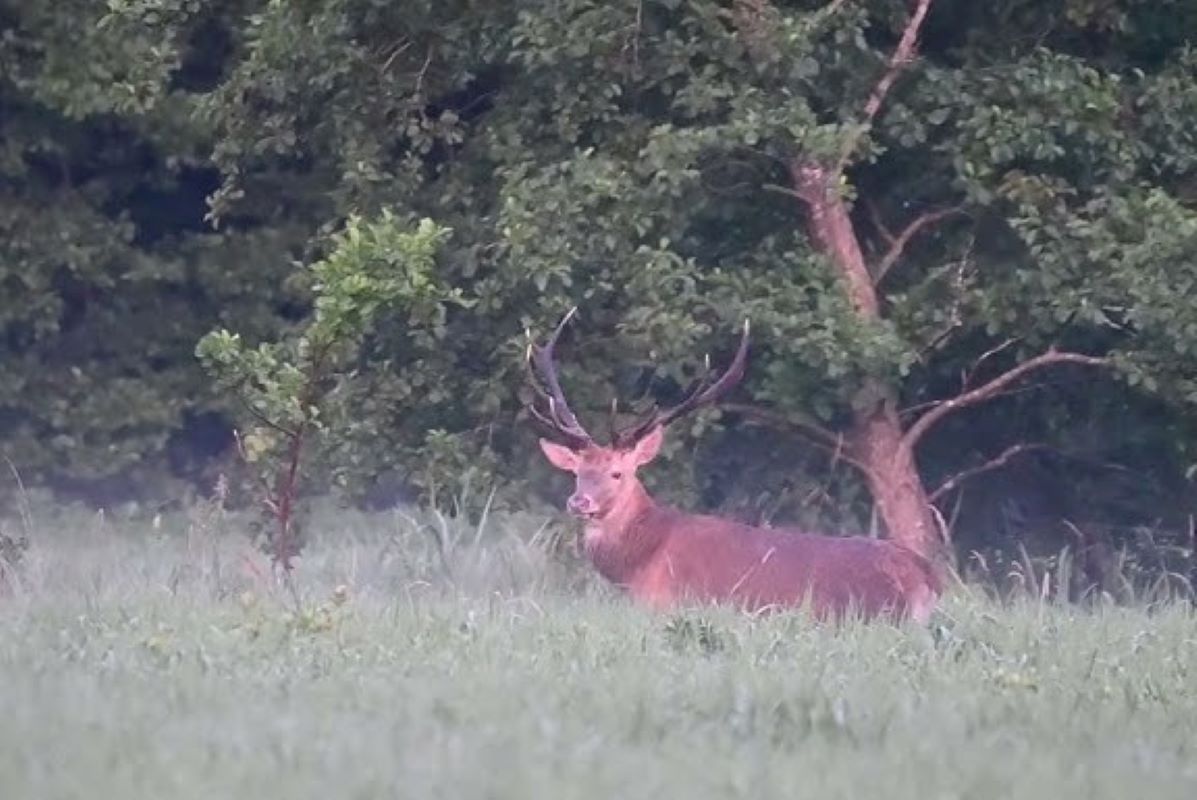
(989,390)
(812,432)
(774,419)
(878,223)
(400,49)
(967,379)
(920,407)
(901,57)
(897,244)
(998,461)
(773,187)
(637,28)
(419,87)
(261,417)
(955,318)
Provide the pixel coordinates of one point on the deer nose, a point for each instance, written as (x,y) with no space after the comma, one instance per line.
(581,505)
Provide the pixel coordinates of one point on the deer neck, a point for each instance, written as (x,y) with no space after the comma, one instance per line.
(622,542)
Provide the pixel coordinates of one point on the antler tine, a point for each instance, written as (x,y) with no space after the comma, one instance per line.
(560,418)
(705,391)
(613,419)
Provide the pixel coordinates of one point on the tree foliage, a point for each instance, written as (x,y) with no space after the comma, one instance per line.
(1026,182)
(288,390)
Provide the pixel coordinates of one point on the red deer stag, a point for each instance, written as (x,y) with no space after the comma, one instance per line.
(664,557)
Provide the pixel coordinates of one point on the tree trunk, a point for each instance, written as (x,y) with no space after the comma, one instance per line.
(875,440)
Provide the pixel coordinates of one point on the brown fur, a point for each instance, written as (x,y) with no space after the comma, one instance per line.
(665,558)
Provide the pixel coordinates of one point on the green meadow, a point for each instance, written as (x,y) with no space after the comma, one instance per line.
(415,656)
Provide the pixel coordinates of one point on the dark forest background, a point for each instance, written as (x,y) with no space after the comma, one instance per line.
(1026,189)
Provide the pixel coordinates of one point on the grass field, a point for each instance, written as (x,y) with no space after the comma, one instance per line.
(430,660)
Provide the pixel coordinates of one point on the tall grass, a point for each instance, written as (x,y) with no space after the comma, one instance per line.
(429,657)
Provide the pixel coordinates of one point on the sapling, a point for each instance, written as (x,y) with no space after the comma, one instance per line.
(285,389)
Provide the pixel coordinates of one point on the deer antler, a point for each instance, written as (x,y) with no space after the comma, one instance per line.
(558,418)
(705,391)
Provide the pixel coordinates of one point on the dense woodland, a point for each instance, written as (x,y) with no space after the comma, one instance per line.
(965,235)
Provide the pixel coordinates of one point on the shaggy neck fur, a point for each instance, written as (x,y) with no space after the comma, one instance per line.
(620,543)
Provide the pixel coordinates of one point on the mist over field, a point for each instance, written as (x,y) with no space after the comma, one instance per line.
(324,324)
(145,662)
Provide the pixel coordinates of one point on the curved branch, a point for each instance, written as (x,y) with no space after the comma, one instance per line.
(812,432)
(897,245)
(774,419)
(902,56)
(919,408)
(878,223)
(990,353)
(991,389)
(262,418)
(997,462)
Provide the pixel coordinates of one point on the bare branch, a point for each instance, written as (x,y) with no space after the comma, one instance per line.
(954,517)
(832,442)
(940,339)
(955,318)
(639,28)
(1026,388)
(991,389)
(997,462)
(775,419)
(262,418)
(878,223)
(773,187)
(902,56)
(635,32)
(419,87)
(990,353)
(399,50)
(897,244)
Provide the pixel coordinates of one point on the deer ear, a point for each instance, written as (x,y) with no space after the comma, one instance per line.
(649,445)
(560,456)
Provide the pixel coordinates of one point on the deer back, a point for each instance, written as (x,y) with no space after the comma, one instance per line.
(708,559)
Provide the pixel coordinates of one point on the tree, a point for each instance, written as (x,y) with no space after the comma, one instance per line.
(287,391)
(801,102)
(108,269)
(876,439)
(913,202)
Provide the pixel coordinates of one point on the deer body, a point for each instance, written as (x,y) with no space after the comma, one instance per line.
(664,557)
(668,558)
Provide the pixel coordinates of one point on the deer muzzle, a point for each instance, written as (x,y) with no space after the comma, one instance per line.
(581,505)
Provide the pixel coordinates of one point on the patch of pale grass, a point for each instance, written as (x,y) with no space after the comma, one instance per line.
(428,658)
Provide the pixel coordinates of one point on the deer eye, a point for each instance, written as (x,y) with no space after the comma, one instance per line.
(616,475)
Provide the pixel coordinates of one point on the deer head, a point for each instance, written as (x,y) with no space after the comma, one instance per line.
(606,474)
